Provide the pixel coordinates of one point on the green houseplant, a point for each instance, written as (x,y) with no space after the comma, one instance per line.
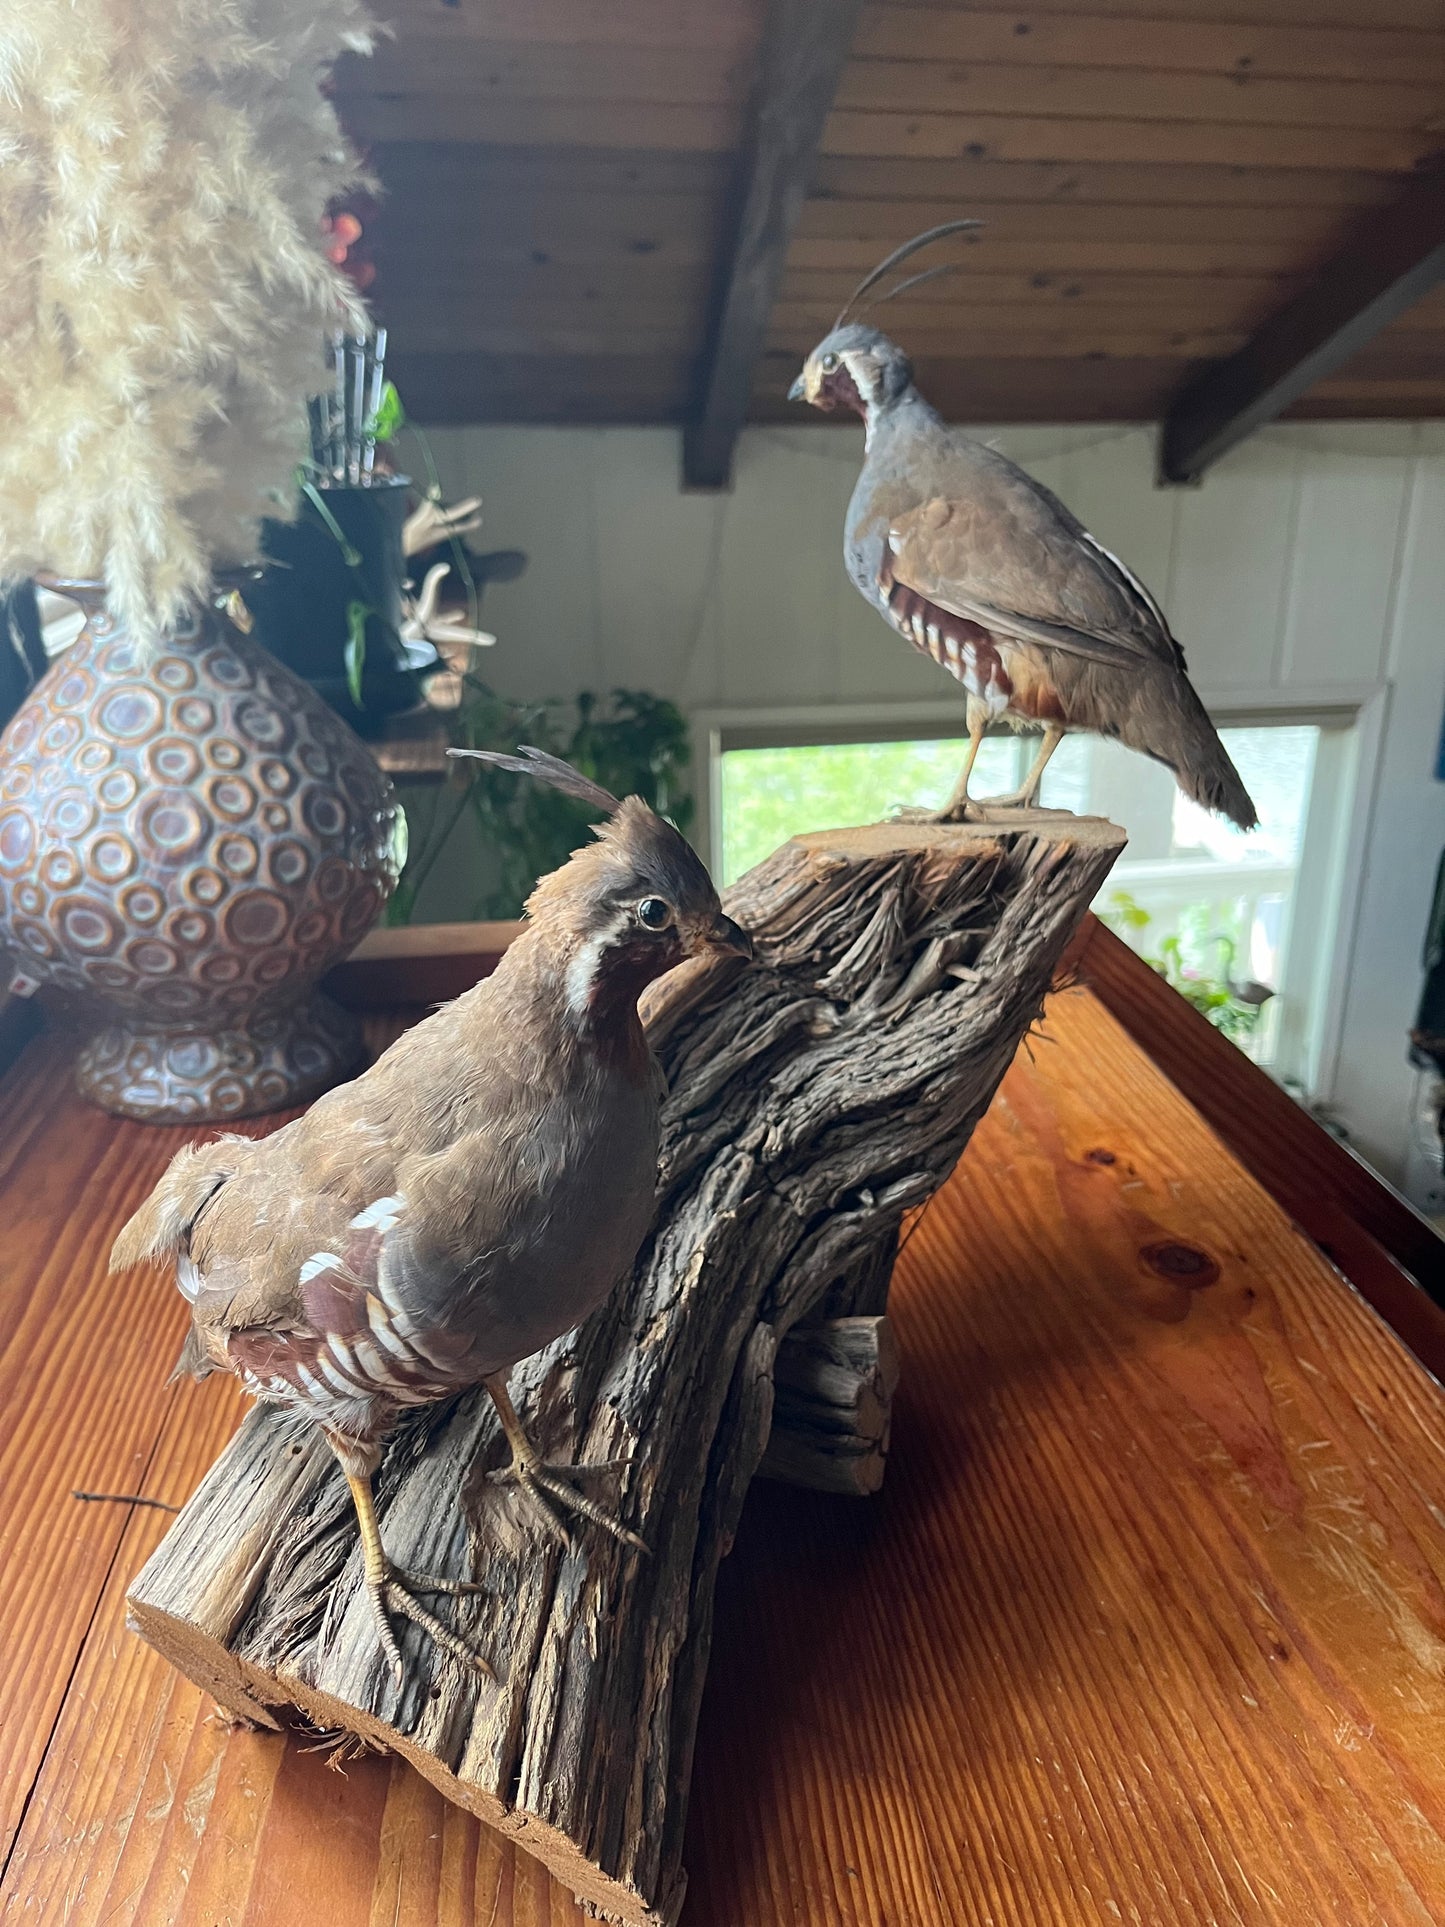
(629,741)
(1234,1008)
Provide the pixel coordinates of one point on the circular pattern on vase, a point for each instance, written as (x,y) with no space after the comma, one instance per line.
(183,1073)
(185,845)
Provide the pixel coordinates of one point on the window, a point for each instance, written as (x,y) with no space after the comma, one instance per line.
(1214,906)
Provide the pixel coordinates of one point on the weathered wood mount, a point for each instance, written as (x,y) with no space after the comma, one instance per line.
(815,1099)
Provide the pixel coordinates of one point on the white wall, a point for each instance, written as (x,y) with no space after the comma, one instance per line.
(1309,566)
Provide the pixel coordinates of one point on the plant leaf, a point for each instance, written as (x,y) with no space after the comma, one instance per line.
(390,417)
(349,555)
(354,654)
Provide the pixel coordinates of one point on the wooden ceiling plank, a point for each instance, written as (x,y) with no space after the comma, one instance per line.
(712,26)
(419,116)
(1127,93)
(435,169)
(1052,294)
(466,387)
(1378,364)
(1421,16)
(1002,137)
(488,217)
(488,71)
(1388,262)
(1017,390)
(1075,344)
(1005,333)
(1428,405)
(497,335)
(962,179)
(575,292)
(1386,396)
(1122,253)
(1249,50)
(471,255)
(865,228)
(800,329)
(803,54)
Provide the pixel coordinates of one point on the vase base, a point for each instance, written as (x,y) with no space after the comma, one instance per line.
(274,1059)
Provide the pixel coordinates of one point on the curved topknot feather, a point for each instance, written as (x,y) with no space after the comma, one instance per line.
(896,259)
(530,761)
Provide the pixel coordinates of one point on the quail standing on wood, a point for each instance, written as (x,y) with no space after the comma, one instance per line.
(983,569)
(471,1197)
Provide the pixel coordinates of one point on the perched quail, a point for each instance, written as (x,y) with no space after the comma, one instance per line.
(471,1197)
(987,572)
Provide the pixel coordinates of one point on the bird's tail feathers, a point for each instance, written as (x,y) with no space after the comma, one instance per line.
(1175,730)
(158,1229)
(193,1362)
(1220,789)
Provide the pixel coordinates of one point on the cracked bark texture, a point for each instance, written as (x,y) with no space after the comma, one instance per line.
(814,1100)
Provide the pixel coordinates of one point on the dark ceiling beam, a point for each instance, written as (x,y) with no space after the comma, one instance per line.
(800,62)
(1395,255)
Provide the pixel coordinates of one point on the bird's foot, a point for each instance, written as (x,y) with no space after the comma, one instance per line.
(968,811)
(544,1487)
(989,809)
(392,1591)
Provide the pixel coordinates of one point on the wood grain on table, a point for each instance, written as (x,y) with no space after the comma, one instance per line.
(1147,1625)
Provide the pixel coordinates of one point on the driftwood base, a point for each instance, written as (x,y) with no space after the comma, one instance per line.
(815,1099)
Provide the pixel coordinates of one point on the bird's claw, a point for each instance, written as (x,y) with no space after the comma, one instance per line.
(966,812)
(395,1592)
(539,1484)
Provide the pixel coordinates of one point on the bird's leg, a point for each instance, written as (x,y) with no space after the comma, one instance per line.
(542,1484)
(389,1589)
(1023,797)
(955,810)
(960,806)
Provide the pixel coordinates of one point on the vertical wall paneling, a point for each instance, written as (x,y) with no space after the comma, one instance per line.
(537,492)
(1230,561)
(776,588)
(1342,563)
(657,558)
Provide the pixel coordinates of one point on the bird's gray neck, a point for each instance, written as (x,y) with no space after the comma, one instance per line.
(905,414)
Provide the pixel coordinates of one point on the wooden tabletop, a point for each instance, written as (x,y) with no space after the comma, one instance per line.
(1147,1625)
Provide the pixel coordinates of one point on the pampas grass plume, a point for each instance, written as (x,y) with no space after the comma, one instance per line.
(164,289)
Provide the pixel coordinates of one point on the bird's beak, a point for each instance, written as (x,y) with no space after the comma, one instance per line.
(724,934)
(799,390)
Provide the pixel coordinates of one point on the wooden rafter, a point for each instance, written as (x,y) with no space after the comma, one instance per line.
(1393,257)
(805,46)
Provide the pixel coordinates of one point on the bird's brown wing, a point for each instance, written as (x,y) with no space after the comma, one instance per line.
(1008,555)
(287,1278)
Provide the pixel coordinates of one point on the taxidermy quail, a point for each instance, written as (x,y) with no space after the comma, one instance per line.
(987,572)
(471,1197)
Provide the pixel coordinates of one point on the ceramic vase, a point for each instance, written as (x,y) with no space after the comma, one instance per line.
(187,842)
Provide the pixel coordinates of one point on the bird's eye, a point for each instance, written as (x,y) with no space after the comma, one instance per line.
(654,914)
(828,364)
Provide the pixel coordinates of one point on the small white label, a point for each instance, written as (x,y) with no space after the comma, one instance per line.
(23,986)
